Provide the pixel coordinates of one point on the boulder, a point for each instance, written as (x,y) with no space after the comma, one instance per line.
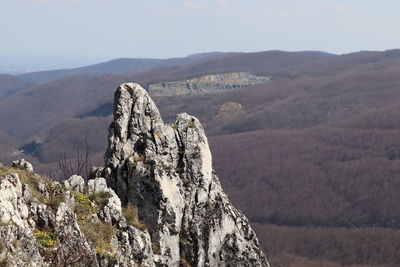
(75,182)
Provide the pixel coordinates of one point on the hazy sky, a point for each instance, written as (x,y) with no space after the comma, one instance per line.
(58,33)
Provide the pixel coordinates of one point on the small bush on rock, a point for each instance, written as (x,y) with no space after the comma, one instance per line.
(46,239)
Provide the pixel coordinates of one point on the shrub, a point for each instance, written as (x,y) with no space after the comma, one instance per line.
(84,207)
(46,239)
(155,248)
(99,197)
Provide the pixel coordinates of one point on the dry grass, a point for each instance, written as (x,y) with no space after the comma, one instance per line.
(33,181)
(100,235)
(131,215)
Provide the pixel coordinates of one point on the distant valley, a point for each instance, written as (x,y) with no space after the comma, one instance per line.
(306,144)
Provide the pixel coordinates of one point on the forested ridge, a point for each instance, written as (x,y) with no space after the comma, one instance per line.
(312,158)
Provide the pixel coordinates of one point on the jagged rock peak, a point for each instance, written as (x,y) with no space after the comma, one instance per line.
(166,172)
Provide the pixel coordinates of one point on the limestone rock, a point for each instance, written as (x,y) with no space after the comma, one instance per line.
(22,164)
(75,182)
(19,247)
(112,210)
(16,236)
(97,185)
(42,215)
(43,189)
(75,248)
(13,208)
(166,171)
(207,84)
(134,247)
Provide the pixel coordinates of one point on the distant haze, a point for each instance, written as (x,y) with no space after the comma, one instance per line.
(48,34)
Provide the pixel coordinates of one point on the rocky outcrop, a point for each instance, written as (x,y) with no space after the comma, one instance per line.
(22,164)
(75,182)
(207,84)
(16,237)
(45,223)
(166,172)
(157,202)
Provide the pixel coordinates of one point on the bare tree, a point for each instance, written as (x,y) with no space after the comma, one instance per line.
(79,166)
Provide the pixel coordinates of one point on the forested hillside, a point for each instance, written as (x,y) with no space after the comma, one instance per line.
(312,157)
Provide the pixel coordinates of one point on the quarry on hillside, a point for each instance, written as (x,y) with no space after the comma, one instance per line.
(213,83)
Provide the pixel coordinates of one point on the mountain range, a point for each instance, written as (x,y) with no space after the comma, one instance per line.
(311,157)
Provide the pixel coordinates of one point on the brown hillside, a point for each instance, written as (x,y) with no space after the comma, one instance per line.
(312,158)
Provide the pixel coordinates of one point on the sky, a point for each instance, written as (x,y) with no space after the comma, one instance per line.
(46,34)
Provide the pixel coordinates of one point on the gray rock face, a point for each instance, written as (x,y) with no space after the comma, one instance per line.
(207,84)
(166,171)
(13,208)
(19,247)
(133,247)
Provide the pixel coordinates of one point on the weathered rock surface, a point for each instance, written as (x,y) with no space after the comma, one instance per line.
(166,171)
(75,182)
(16,237)
(159,203)
(19,247)
(207,84)
(74,248)
(45,223)
(12,203)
